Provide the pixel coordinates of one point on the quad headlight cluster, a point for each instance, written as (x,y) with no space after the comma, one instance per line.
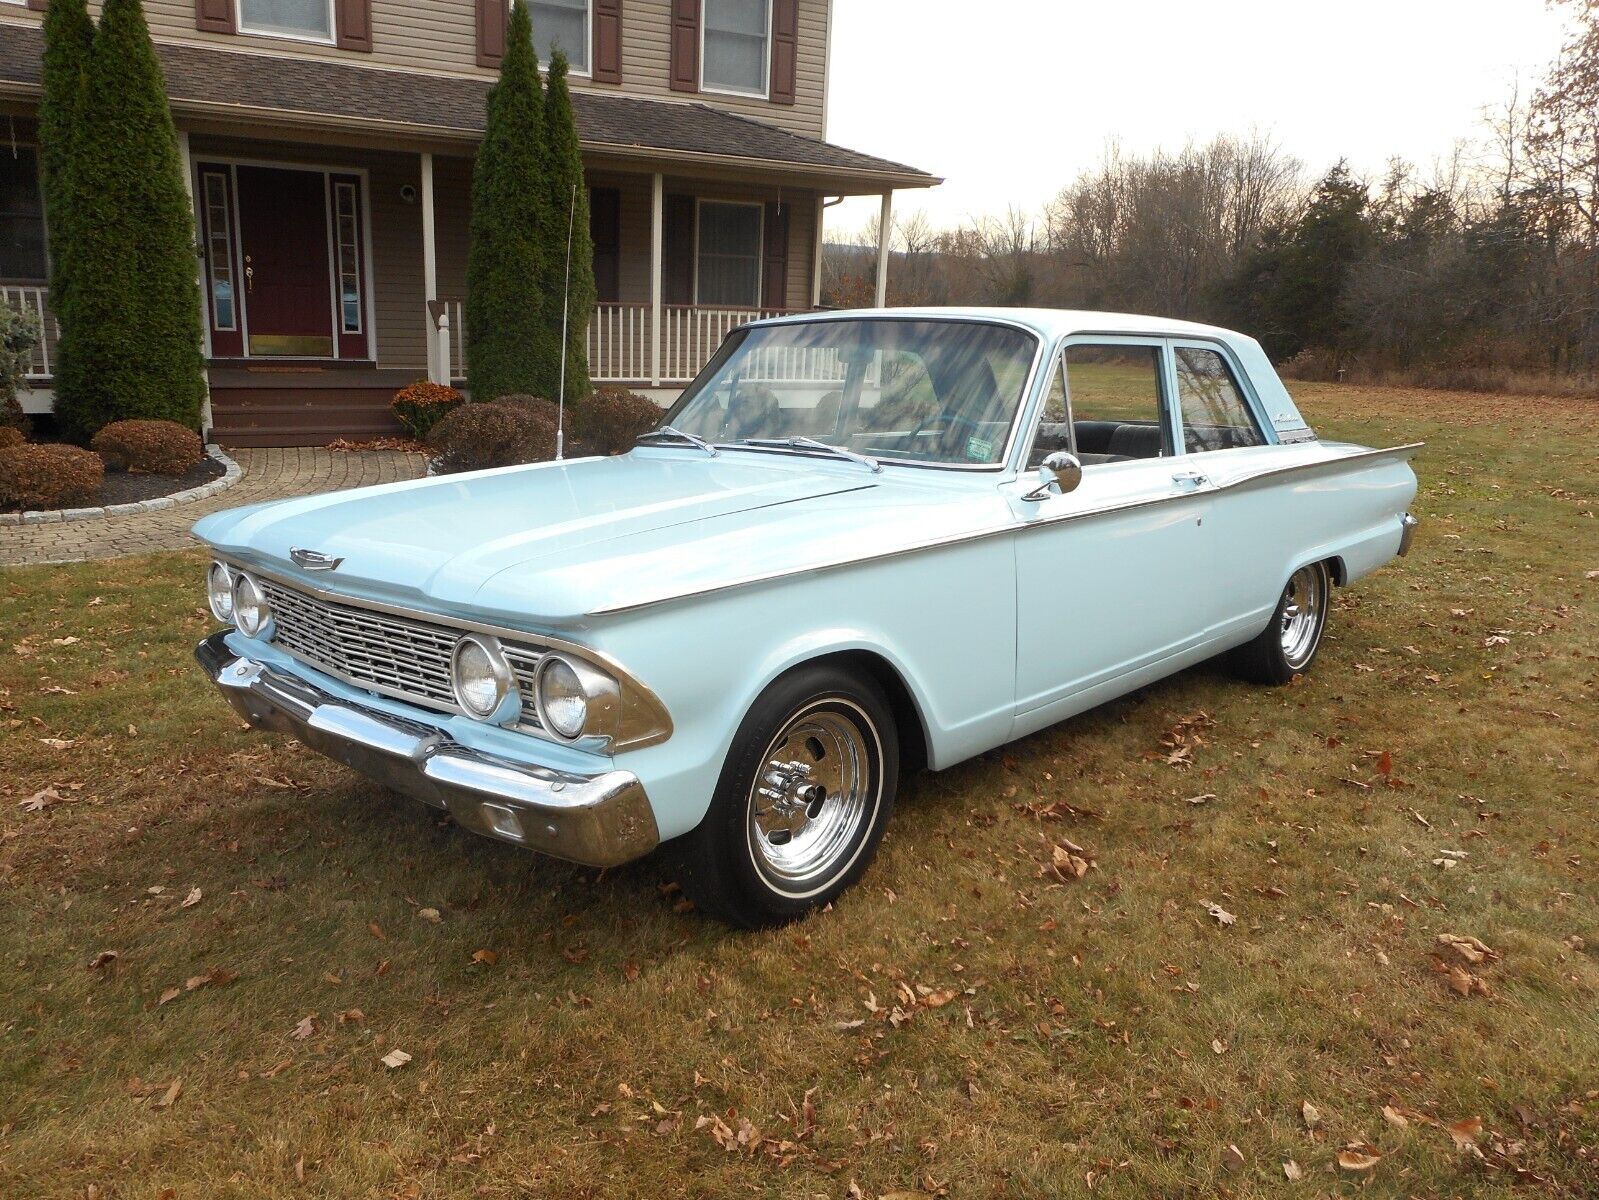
(237,598)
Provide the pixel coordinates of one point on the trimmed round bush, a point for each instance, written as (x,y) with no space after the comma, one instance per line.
(422,405)
(549,410)
(49,477)
(477,436)
(10,436)
(613,417)
(148,447)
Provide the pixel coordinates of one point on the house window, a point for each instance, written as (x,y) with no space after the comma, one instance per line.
(349,230)
(735,52)
(22,255)
(308,20)
(562,25)
(729,256)
(219,251)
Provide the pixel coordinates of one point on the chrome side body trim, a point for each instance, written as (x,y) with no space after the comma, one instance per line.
(599,820)
(1258,479)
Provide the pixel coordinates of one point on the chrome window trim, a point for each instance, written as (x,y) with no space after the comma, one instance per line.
(1403,452)
(1023,408)
(641,718)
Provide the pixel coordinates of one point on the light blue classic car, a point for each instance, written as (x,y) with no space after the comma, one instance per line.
(859,544)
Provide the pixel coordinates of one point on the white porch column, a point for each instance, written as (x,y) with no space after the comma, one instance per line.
(187,158)
(657,312)
(430,271)
(816,253)
(885,231)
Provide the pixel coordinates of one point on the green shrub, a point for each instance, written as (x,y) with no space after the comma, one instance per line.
(422,405)
(11,436)
(19,334)
(477,436)
(612,418)
(43,477)
(148,447)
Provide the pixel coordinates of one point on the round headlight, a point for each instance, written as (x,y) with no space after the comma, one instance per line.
(250,610)
(219,591)
(563,704)
(481,677)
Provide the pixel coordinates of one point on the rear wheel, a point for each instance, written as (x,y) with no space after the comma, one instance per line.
(802,800)
(1288,644)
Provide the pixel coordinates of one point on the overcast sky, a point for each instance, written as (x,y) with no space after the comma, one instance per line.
(1009,99)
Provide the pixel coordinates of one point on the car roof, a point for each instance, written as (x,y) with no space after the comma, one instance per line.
(1050,322)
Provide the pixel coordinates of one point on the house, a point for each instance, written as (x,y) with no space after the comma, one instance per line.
(329,150)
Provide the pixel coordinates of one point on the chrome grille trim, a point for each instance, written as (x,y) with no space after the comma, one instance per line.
(404,659)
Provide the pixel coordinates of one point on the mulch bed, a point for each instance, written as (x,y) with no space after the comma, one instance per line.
(125,487)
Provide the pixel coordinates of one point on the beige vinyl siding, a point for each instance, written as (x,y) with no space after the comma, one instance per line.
(398,305)
(440,36)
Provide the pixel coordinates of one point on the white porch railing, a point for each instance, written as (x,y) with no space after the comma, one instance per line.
(35,299)
(621,349)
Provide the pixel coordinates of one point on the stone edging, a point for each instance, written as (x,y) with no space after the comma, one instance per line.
(231,474)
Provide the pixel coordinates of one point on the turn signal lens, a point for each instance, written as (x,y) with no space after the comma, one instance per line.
(219,591)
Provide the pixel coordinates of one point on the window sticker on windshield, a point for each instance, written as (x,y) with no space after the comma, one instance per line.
(978,450)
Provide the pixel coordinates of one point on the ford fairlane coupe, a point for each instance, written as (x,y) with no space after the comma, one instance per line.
(859,544)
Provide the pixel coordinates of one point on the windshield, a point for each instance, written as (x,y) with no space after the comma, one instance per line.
(942,392)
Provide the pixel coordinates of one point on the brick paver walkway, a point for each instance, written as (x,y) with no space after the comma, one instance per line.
(268,475)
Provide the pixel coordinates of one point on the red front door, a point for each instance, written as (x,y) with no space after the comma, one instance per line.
(283,239)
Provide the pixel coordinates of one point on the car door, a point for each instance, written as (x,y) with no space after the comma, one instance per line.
(1111,575)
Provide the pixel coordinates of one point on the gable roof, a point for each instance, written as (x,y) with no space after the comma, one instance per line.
(278,89)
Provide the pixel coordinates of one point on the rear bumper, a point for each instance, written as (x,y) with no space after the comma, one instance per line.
(1407,533)
(599,820)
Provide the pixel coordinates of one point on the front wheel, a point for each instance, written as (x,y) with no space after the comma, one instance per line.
(1290,641)
(802,801)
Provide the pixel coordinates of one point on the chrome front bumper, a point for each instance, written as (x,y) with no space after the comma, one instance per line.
(599,820)
(1407,533)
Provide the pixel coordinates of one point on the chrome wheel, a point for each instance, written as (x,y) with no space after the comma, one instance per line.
(1303,614)
(815,796)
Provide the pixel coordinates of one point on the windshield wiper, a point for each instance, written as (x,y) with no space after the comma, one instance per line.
(666,431)
(810,443)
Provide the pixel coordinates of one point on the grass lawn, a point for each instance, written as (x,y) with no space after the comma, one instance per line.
(209,941)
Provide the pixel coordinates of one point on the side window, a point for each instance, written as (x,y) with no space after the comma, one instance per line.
(1215,415)
(1115,399)
(1054,423)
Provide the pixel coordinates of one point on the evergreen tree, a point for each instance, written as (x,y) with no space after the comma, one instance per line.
(68,42)
(564,167)
(511,346)
(131,324)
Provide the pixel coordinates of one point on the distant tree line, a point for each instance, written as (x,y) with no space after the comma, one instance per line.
(1484,271)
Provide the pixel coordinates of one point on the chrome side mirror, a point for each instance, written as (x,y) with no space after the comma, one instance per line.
(1060,473)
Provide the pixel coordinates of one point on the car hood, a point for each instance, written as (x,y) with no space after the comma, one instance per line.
(555,542)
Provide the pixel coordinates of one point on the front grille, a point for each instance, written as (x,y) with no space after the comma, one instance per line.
(392,655)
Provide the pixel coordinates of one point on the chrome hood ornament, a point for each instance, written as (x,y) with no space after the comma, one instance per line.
(313,560)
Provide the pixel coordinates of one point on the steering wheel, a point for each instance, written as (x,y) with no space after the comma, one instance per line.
(955,427)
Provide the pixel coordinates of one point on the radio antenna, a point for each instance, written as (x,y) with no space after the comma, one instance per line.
(566,307)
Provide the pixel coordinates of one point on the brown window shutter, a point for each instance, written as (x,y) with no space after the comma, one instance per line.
(355,25)
(38,5)
(605,232)
(607,41)
(213,16)
(492,16)
(774,268)
(785,50)
(677,250)
(685,45)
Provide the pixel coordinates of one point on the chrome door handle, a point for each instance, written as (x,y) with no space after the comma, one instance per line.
(1193,478)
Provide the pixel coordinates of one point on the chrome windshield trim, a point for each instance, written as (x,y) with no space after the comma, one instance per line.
(1366,457)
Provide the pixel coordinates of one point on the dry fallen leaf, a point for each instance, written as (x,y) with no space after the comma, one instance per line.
(1219,914)
(395,1059)
(1311,1114)
(305,1028)
(1293,1171)
(485,958)
(1394,1117)
(430,914)
(1465,1133)
(1473,950)
(167,1097)
(172,993)
(191,899)
(41,800)
(1357,1156)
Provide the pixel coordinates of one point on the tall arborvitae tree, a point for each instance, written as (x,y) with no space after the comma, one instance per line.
(510,345)
(68,42)
(131,323)
(564,167)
